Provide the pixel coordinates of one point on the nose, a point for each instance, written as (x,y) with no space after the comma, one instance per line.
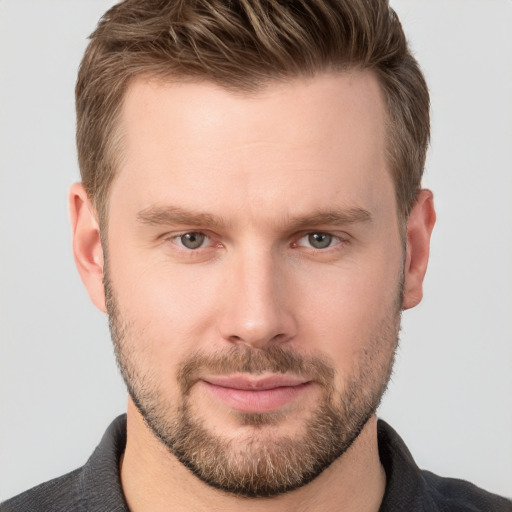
(256,302)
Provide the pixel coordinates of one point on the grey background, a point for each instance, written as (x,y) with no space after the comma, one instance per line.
(451,392)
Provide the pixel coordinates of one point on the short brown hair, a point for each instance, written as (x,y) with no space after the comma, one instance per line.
(242,45)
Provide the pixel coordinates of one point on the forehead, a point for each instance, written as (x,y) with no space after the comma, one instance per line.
(299,110)
(315,139)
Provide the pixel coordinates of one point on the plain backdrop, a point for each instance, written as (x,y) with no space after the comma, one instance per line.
(450,397)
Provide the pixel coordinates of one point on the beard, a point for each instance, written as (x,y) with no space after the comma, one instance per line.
(259,462)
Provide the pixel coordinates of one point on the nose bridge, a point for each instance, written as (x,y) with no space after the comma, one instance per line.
(255,310)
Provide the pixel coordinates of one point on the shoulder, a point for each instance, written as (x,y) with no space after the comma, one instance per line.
(453,495)
(409,488)
(95,487)
(59,494)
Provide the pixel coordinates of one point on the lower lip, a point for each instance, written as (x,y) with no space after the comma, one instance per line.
(264,400)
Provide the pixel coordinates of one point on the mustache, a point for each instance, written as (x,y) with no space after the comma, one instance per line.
(243,359)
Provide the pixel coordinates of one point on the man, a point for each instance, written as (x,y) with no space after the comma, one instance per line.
(251,218)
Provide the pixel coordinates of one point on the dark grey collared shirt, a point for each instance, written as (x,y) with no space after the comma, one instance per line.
(96,487)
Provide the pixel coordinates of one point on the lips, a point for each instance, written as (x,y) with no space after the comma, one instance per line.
(256,394)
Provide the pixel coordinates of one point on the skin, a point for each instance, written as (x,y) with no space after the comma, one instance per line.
(260,163)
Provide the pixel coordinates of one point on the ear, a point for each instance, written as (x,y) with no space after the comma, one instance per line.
(87,248)
(419,229)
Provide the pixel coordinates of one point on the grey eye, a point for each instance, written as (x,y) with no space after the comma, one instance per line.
(192,240)
(320,240)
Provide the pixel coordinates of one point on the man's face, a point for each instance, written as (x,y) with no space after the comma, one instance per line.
(254,273)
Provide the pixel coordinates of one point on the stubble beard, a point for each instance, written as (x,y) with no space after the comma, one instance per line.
(261,464)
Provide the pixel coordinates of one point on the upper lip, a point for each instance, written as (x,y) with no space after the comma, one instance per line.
(255,383)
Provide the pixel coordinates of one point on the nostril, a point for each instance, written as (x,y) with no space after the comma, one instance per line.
(280,337)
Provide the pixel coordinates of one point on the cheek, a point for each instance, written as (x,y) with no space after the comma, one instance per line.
(345,314)
(170,311)
(172,314)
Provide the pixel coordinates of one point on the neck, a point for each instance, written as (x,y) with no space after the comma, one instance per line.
(154,480)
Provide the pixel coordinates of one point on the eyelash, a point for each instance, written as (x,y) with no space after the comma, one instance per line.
(337,240)
(174,238)
(334,238)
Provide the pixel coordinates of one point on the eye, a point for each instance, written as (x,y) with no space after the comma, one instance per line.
(318,240)
(193,240)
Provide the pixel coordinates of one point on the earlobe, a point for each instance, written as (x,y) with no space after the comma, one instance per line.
(419,229)
(87,248)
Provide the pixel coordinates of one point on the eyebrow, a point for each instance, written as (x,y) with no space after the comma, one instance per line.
(332,218)
(170,215)
(157,215)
